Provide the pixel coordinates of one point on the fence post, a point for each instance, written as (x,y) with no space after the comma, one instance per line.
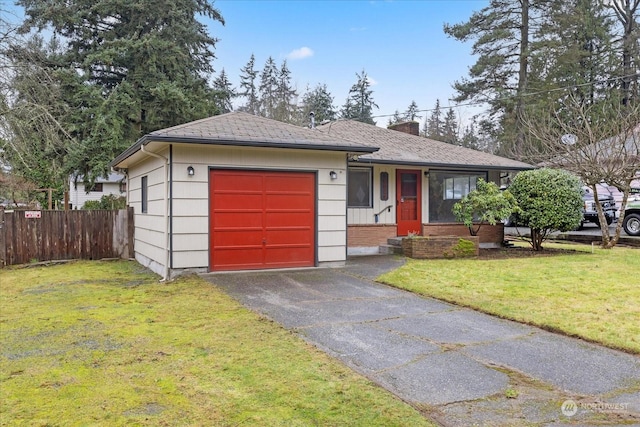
(3,241)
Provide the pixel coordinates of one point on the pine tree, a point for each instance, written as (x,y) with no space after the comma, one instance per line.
(626,12)
(285,96)
(360,104)
(248,87)
(320,101)
(128,68)
(434,126)
(411,114)
(450,128)
(502,32)
(269,89)
(396,118)
(470,138)
(224,92)
(572,52)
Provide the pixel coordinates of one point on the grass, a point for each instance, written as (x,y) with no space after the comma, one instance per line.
(104,343)
(595,296)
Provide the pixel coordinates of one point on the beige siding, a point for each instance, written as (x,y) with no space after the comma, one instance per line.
(366,216)
(191,195)
(187,259)
(150,228)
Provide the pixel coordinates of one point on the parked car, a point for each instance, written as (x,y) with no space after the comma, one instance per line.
(631,223)
(590,213)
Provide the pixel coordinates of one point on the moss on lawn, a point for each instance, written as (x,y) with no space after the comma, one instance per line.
(105,343)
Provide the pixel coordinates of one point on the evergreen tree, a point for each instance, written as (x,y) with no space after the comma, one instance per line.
(360,104)
(450,128)
(434,126)
(470,138)
(410,115)
(412,112)
(627,13)
(129,68)
(320,101)
(248,87)
(572,52)
(286,96)
(502,32)
(224,92)
(269,89)
(396,118)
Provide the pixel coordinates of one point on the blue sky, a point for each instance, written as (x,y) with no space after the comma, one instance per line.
(400,44)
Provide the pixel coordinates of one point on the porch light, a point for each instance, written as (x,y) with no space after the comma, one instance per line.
(191,171)
(333,175)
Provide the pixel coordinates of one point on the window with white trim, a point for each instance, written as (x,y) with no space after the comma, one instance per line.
(360,184)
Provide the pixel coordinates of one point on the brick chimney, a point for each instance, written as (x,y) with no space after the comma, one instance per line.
(412,128)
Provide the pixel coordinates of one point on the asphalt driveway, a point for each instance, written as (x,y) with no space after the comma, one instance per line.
(460,366)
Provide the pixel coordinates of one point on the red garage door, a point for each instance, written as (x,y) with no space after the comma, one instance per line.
(260,219)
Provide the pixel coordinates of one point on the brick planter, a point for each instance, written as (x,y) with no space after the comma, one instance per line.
(433,247)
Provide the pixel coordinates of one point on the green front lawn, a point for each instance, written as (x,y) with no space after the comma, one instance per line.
(595,296)
(104,343)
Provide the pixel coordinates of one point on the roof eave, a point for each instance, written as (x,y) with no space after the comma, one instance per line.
(444,165)
(238,143)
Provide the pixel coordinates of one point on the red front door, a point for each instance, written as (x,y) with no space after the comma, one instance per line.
(261,219)
(409,202)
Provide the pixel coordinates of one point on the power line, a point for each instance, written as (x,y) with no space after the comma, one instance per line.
(506,98)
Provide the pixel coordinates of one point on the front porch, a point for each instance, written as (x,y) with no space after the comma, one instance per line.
(369,239)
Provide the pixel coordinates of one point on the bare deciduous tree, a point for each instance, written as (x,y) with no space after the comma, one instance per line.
(600,143)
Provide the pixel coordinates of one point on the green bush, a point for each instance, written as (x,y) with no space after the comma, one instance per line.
(485,204)
(108,201)
(549,200)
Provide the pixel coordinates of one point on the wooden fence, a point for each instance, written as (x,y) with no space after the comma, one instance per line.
(28,236)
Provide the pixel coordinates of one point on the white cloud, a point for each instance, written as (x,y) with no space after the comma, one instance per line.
(372,81)
(303,52)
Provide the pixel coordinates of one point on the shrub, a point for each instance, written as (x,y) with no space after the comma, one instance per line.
(549,200)
(108,201)
(485,204)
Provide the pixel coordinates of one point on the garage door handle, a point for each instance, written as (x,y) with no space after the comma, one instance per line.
(264,241)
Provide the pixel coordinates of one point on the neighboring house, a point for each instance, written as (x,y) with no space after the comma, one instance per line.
(238,191)
(114,183)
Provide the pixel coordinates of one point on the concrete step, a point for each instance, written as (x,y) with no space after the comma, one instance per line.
(390,250)
(395,241)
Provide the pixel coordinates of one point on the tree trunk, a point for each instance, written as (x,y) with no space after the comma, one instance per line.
(537,236)
(522,78)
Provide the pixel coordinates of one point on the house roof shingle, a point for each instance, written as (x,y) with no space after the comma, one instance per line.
(372,143)
(402,148)
(243,129)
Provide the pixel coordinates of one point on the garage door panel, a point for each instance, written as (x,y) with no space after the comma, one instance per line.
(261,219)
(236,181)
(286,256)
(230,239)
(231,219)
(238,259)
(239,199)
(292,235)
(280,219)
(278,201)
(277,181)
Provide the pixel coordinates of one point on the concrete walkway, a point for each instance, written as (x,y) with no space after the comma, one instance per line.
(459,366)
